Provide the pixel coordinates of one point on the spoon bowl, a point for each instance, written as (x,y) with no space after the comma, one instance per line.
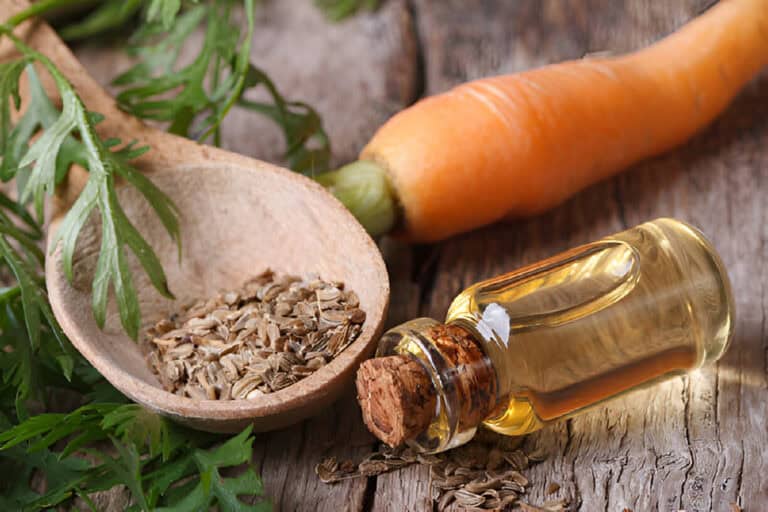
(238,217)
(235,222)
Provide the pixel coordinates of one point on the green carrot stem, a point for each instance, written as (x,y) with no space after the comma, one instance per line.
(364,188)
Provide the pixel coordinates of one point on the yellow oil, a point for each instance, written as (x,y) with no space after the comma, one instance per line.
(592,323)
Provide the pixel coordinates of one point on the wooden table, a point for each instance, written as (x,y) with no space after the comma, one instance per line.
(696,443)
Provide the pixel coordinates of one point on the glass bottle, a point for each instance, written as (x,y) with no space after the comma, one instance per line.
(572,331)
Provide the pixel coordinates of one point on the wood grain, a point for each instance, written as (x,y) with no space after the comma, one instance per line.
(684,444)
(696,443)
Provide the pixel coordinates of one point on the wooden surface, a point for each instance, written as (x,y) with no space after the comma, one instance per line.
(696,443)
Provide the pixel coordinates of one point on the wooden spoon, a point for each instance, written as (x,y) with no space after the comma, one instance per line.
(238,217)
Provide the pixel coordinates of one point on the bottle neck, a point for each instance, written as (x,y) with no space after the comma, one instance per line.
(459,387)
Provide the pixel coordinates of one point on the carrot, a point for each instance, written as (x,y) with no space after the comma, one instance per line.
(523,143)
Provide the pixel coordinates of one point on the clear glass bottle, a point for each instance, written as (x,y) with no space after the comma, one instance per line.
(572,331)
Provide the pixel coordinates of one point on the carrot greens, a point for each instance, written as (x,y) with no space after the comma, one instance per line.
(110,14)
(49,458)
(163,466)
(218,79)
(45,163)
(205,89)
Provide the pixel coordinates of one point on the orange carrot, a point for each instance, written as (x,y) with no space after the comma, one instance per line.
(521,144)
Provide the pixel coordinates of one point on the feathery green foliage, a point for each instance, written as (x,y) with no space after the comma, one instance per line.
(163,466)
(68,137)
(105,441)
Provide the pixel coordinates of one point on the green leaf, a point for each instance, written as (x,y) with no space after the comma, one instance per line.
(112,265)
(159,57)
(22,215)
(108,15)
(44,151)
(126,468)
(33,427)
(337,10)
(194,99)
(157,199)
(20,368)
(152,460)
(40,114)
(33,296)
(215,489)
(50,157)
(235,83)
(26,240)
(63,476)
(10,72)
(45,156)
(93,386)
(164,11)
(26,372)
(73,223)
(142,427)
(169,473)
(301,125)
(53,427)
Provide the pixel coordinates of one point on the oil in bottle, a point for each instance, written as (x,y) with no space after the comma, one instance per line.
(572,331)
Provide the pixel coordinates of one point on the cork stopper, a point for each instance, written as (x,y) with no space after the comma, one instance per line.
(398,398)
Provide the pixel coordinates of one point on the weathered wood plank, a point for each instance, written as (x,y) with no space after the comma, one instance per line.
(465,40)
(695,443)
(286,460)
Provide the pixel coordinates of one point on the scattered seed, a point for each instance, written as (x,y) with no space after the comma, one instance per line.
(556,505)
(458,477)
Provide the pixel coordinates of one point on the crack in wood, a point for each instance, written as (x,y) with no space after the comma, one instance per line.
(686,399)
(369,498)
(740,475)
(420,77)
(427,264)
(619,197)
(566,450)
